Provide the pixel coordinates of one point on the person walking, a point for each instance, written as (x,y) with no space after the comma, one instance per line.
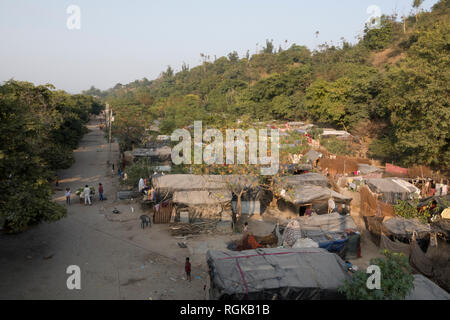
(87,195)
(100,192)
(67,195)
(187,268)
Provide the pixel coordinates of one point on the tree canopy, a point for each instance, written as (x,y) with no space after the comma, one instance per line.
(40,127)
(391,87)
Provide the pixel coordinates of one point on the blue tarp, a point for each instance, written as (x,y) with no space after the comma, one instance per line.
(334,246)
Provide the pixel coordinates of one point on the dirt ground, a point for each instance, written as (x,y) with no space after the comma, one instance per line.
(118,259)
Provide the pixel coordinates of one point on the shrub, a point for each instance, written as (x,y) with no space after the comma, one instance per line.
(396,280)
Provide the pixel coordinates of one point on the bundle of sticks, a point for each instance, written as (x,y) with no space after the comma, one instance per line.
(182,229)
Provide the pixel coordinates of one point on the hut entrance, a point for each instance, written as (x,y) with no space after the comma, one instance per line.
(302,210)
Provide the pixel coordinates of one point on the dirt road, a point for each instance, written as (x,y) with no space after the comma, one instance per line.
(118,260)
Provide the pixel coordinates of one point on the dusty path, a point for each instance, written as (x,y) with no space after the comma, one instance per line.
(118,260)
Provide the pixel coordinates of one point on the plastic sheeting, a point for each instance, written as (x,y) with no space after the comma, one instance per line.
(192,182)
(283,274)
(306,194)
(394,246)
(425,289)
(420,261)
(312,155)
(303,179)
(332,222)
(328,230)
(365,169)
(202,197)
(305,243)
(392,189)
(404,228)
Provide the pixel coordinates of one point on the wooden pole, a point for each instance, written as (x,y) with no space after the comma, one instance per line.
(110,125)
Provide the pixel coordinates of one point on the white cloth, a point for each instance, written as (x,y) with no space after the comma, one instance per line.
(141,184)
(67,193)
(331,204)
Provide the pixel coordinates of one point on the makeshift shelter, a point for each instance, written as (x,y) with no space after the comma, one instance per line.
(275,274)
(303,179)
(366,169)
(425,289)
(331,232)
(338,134)
(191,182)
(203,204)
(295,168)
(403,229)
(392,189)
(158,155)
(312,156)
(203,196)
(309,189)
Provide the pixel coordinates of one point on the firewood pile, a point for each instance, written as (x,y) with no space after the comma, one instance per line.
(183,229)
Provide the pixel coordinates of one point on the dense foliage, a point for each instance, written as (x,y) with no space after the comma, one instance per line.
(396,280)
(390,89)
(39,127)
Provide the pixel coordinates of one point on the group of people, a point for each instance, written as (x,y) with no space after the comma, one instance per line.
(86,194)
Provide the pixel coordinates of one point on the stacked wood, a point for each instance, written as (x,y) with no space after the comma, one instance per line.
(183,229)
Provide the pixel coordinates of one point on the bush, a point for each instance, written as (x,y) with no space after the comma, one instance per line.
(336,146)
(407,211)
(396,280)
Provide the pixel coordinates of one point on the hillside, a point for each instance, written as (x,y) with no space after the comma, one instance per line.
(390,89)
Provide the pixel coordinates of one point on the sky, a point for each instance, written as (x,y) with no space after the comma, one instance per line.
(121,41)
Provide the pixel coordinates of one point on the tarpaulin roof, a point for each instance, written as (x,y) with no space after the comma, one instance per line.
(202,197)
(333,222)
(326,227)
(272,273)
(366,168)
(425,289)
(302,179)
(191,182)
(312,155)
(310,193)
(392,189)
(185,182)
(404,228)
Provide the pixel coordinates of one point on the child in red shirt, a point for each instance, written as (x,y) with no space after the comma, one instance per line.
(187,268)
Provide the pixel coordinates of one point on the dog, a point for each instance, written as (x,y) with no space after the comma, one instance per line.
(145,221)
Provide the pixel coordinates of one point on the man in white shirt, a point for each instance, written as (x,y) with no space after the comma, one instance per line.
(331,205)
(87,195)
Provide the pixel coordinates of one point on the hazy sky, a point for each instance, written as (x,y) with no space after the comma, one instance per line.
(121,41)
